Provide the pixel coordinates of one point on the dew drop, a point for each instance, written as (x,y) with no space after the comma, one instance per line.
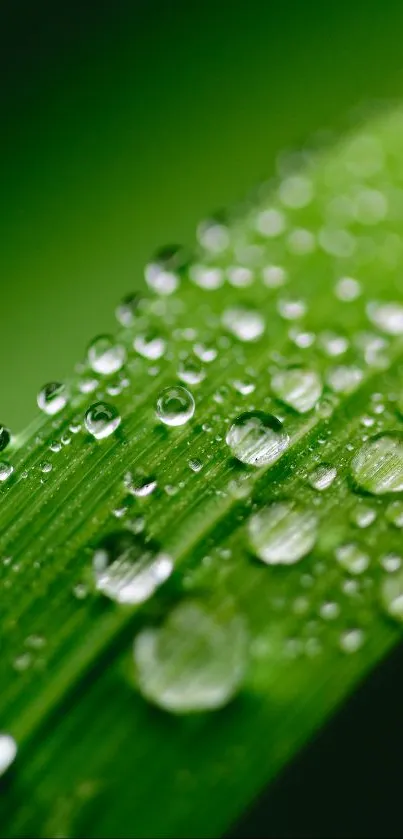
(127,569)
(105,356)
(363,516)
(8,752)
(296,191)
(322,477)
(344,379)
(245,324)
(391,562)
(52,398)
(205,353)
(298,388)
(329,611)
(378,466)
(127,309)
(175,406)
(191,371)
(388,317)
(195,465)
(351,641)
(257,438)
(213,236)
(195,661)
(139,485)
(101,420)
(274,276)
(162,274)
(208,277)
(282,533)
(352,558)
(347,289)
(4,437)
(392,595)
(291,309)
(394,513)
(6,469)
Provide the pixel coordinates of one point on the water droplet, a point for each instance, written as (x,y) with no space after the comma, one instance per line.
(291,309)
(4,437)
(256,438)
(347,289)
(270,223)
(370,207)
(239,276)
(150,345)
(392,595)
(213,236)
(323,476)
(332,344)
(391,563)
(162,274)
(52,398)
(329,611)
(5,470)
(388,317)
(336,242)
(378,466)
(351,641)
(87,385)
(363,516)
(245,324)
(394,513)
(127,309)
(301,241)
(205,353)
(208,277)
(139,485)
(298,388)
(344,379)
(105,356)
(129,570)
(195,465)
(191,371)
(283,533)
(274,276)
(243,386)
(296,191)
(101,420)
(175,406)
(8,752)
(352,558)
(45,467)
(195,661)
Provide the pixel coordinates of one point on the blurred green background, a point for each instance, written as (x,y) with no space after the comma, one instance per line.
(125,123)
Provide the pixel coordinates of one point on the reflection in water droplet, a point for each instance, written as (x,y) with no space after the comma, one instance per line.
(8,752)
(101,420)
(6,469)
(378,466)
(195,661)
(127,569)
(352,558)
(105,356)
(52,398)
(392,595)
(175,406)
(283,533)
(298,388)
(4,437)
(256,438)
(245,324)
(388,317)
(322,477)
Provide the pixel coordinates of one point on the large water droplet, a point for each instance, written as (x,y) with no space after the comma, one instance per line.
(127,569)
(6,469)
(175,406)
(378,466)
(283,533)
(52,398)
(4,437)
(245,324)
(298,388)
(256,438)
(392,595)
(105,356)
(8,752)
(352,558)
(195,661)
(101,420)
(388,317)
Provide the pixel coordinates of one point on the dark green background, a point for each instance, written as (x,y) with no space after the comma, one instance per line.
(123,123)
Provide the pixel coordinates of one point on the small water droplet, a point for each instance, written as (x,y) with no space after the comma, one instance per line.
(195,661)
(191,371)
(283,533)
(363,516)
(101,420)
(274,276)
(127,569)
(352,558)
(296,191)
(351,641)
(323,476)
(347,289)
(52,398)
(344,379)
(163,273)
(175,406)
(139,485)
(213,235)
(150,345)
(388,317)
(329,611)
(45,467)
(205,353)
(394,513)
(291,309)
(378,466)
(391,562)
(298,388)
(257,438)
(8,752)
(245,324)
(392,595)
(208,277)
(127,309)
(6,469)
(195,465)
(270,223)
(239,276)
(4,437)
(243,386)
(105,356)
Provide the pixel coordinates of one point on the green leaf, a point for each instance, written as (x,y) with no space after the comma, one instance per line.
(282,526)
